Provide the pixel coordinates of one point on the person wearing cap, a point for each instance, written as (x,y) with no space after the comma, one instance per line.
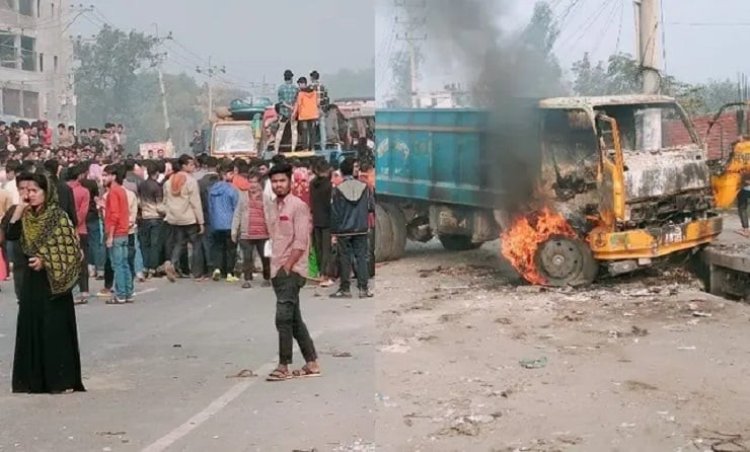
(323,104)
(287,98)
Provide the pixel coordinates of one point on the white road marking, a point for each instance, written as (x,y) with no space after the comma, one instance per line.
(212,409)
(145,291)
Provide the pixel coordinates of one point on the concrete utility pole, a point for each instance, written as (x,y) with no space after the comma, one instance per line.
(162,89)
(649,55)
(210,72)
(416,19)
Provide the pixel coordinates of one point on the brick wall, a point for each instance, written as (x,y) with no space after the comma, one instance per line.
(722,135)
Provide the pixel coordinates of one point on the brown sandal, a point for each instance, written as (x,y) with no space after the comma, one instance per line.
(279,375)
(305,372)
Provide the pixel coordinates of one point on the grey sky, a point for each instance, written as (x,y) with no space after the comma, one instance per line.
(252,38)
(694,52)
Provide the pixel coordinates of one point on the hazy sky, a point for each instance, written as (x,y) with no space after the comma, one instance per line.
(696,47)
(257,38)
(252,38)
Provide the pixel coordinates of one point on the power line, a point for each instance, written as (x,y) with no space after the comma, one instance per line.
(709,24)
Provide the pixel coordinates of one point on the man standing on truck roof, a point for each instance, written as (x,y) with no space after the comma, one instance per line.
(323,102)
(351,204)
(287,98)
(306,112)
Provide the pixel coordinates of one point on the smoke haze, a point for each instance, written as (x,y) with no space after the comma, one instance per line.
(509,70)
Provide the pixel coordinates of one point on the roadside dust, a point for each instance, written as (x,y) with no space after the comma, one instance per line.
(647,362)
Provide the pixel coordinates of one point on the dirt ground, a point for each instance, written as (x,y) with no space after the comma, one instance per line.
(471,360)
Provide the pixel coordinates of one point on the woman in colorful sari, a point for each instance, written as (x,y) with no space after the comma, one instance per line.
(47,358)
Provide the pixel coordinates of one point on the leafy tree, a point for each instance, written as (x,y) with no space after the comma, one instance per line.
(621,75)
(185,114)
(107,75)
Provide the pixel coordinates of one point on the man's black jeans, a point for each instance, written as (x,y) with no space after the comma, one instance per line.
(289,321)
(224,252)
(180,237)
(322,246)
(152,238)
(353,246)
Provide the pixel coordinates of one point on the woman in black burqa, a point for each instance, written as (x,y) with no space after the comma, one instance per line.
(47,358)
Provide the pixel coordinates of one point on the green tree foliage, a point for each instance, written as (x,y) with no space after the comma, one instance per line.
(621,75)
(107,75)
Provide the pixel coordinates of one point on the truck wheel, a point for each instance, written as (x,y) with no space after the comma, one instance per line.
(383,234)
(454,242)
(398,225)
(563,261)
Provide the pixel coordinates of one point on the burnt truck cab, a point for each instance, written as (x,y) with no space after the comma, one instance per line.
(635,193)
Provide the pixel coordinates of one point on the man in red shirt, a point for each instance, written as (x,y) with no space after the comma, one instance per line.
(81,199)
(117,228)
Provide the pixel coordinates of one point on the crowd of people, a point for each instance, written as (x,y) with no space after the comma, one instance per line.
(83,212)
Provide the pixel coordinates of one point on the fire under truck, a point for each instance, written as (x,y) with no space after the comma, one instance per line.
(603,203)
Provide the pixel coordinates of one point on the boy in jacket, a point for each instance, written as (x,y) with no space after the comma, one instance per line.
(222,203)
(351,204)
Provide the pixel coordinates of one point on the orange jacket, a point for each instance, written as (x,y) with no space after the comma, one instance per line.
(307,105)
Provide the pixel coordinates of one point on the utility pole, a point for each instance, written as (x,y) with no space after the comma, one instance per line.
(162,89)
(649,56)
(415,13)
(210,72)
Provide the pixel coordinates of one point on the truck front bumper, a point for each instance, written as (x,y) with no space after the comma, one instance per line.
(653,242)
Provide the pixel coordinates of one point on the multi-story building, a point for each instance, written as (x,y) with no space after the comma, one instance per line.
(36,58)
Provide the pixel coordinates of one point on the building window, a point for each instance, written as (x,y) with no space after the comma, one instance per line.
(55,63)
(11,4)
(30,104)
(11,102)
(25,7)
(53,10)
(38,8)
(28,54)
(8,55)
(41,62)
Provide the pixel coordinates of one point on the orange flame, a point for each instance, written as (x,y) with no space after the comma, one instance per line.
(521,241)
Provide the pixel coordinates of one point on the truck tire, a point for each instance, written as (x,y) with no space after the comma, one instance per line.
(454,242)
(564,261)
(383,234)
(398,227)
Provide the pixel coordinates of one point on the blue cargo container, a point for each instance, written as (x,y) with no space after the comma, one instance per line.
(431,179)
(432,155)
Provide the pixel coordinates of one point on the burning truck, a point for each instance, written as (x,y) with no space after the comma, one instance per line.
(596,197)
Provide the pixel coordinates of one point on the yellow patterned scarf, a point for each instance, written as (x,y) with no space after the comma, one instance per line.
(50,234)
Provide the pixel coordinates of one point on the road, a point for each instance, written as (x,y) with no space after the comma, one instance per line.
(157,374)
(452,354)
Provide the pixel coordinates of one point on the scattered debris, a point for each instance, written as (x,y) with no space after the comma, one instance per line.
(701,314)
(503,321)
(638,332)
(244,373)
(111,433)
(633,385)
(468,425)
(533,363)
(177,346)
(342,355)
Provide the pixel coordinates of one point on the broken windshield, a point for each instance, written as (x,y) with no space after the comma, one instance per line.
(231,138)
(670,129)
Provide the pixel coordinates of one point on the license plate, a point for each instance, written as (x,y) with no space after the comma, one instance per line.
(673,235)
